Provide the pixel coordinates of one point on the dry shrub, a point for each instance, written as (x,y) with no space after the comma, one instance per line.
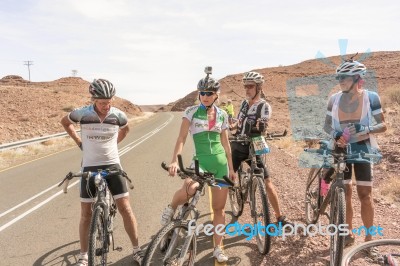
(391,189)
(48,142)
(68,108)
(391,96)
(394,94)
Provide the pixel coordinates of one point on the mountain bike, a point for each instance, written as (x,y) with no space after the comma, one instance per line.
(251,182)
(175,244)
(316,204)
(388,253)
(104,211)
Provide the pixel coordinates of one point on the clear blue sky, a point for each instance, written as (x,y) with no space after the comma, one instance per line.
(155,51)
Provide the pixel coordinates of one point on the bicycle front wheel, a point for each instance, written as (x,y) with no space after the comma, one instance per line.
(236,199)
(313,198)
(260,214)
(179,249)
(388,249)
(337,217)
(98,247)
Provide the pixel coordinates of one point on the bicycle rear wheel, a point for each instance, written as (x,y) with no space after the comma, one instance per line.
(98,247)
(177,232)
(388,249)
(313,198)
(338,216)
(260,214)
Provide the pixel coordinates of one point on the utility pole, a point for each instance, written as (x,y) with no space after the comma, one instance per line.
(29,63)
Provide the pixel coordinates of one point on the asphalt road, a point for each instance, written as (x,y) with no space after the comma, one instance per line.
(39,223)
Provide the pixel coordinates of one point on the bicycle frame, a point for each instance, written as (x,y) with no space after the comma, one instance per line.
(202,179)
(105,200)
(340,167)
(336,194)
(183,215)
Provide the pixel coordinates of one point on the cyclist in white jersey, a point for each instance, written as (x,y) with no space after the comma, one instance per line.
(360,111)
(208,126)
(102,128)
(253,116)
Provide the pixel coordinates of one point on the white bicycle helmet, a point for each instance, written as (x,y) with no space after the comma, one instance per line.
(101,89)
(351,68)
(208,84)
(252,77)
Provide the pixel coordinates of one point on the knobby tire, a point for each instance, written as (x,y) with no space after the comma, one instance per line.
(260,211)
(156,256)
(97,254)
(313,198)
(365,245)
(338,216)
(236,198)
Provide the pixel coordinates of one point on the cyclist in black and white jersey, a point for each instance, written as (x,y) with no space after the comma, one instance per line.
(359,111)
(253,116)
(102,128)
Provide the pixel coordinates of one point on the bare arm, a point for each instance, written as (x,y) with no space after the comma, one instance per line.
(122,133)
(183,132)
(328,119)
(228,151)
(380,127)
(70,129)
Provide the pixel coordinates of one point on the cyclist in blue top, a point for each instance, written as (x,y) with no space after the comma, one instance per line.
(102,128)
(360,111)
(208,126)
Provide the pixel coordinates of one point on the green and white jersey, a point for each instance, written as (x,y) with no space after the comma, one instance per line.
(206,140)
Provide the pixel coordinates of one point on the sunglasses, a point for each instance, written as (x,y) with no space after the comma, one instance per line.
(208,93)
(342,77)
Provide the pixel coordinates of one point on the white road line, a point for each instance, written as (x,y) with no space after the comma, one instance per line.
(26,201)
(31,210)
(121,152)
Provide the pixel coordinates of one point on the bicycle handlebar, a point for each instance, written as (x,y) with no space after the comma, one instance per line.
(104,173)
(361,156)
(195,174)
(246,138)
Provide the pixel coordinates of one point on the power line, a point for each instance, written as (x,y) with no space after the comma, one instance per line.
(29,63)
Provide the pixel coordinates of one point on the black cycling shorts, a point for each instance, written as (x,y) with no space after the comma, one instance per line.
(240,153)
(116,184)
(362,170)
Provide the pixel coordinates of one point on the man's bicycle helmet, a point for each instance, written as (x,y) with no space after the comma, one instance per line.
(101,89)
(252,76)
(351,68)
(208,84)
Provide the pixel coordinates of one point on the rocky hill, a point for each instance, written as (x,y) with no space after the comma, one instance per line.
(298,94)
(34,109)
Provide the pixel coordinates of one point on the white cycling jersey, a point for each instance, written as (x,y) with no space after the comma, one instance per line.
(99,138)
